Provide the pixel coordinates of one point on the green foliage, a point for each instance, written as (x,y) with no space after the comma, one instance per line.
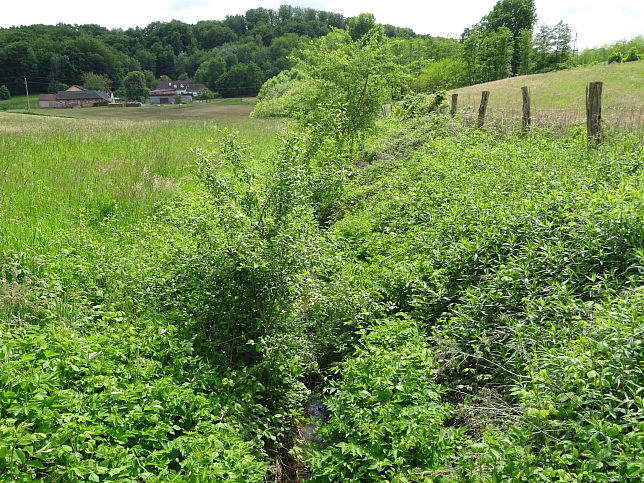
(517,16)
(4,93)
(520,260)
(443,75)
(96,82)
(632,55)
(135,86)
(150,80)
(99,378)
(205,94)
(495,55)
(388,421)
(419,105)
(210,71)
(468,303)
(615,57)
(552,47)
(54,86)
(354,76)
(601,54)
(281,95)
(240,80)
(358,27)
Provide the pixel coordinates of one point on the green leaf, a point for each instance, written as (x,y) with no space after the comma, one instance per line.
(36,464)
(19,456)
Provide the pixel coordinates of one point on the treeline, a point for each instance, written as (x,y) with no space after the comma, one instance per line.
(622,51)
(233,56)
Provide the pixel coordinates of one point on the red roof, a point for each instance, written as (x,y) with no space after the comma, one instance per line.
(47,97)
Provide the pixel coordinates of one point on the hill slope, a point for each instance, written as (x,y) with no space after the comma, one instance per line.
(563,92)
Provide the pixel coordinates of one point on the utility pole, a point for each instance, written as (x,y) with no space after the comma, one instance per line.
(27,90)
(575,49)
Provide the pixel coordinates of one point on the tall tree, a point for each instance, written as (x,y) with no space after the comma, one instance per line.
(561,40)
(135,86)
(98,82)
(359,26)
(17,61)
(517,16)
(495,55)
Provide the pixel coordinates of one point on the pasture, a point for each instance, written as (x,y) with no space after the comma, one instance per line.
(559,97)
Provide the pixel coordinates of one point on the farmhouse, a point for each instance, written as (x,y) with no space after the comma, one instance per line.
(166,91)
(47,100)
(84,98)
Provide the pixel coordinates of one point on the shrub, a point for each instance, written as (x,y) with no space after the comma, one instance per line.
(4,93)
(615,57)
(387,418)
(55,86)
(632,55)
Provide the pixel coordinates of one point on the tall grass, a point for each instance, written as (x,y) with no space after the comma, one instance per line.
(56,173)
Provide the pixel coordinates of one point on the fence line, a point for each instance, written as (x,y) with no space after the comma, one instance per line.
(624,118)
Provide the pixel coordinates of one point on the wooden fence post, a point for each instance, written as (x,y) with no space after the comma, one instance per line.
(482,108)
(594,112)
(452,109)
(526,120)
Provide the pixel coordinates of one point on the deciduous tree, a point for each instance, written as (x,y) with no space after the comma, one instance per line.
(135,86)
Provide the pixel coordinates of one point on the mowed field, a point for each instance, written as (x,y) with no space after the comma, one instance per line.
(560,96)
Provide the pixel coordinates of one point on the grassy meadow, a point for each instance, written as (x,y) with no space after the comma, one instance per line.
(560,96)
(58,172)
(175,293)
(19,103)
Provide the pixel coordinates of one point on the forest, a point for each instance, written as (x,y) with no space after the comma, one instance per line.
(236,55)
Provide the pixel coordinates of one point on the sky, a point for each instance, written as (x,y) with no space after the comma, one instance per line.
(596,22)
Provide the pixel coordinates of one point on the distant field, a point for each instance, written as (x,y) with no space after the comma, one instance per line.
(235,108)
(560,96)
(19,103)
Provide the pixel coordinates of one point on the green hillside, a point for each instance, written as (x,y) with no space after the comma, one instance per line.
(563,92)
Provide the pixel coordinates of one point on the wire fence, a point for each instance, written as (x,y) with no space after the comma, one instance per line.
(622,118)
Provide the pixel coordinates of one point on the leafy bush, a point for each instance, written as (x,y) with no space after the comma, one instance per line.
(4,93)
(281,96)
(353,76)
(632,55)
(387,418)
(205,94)
(521,259)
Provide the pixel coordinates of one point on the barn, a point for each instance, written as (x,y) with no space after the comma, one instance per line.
(166,92)
(47,100)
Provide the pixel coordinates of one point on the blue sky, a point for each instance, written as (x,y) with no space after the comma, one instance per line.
(596,22)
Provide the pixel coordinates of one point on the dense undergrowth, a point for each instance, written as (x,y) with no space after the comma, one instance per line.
(468,305)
